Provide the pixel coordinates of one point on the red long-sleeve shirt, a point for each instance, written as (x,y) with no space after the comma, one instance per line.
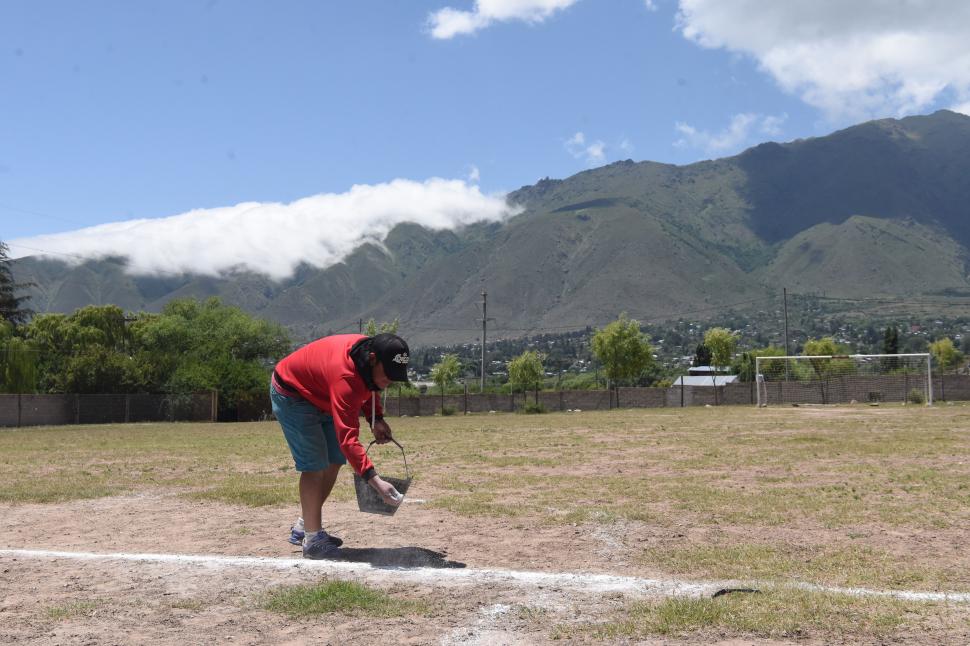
(324,374)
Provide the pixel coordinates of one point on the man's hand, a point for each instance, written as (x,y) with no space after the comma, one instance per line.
(381,431)
(387,491)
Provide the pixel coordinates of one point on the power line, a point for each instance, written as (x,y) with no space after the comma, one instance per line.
(42,215)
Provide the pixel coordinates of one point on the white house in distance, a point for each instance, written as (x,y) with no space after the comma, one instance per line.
(701,376)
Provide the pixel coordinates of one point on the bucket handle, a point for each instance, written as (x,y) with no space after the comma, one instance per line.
(407,471)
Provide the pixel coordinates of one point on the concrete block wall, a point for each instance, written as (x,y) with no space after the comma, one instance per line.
(842,390)
(56,410)
(37,410)
(951,387)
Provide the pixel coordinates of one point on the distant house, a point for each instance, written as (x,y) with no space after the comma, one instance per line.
(701,376)
(705,380)
(706,370)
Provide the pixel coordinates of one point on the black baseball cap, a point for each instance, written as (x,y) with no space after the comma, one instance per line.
(393,353)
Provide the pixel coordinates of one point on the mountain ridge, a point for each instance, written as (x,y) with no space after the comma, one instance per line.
(880,208)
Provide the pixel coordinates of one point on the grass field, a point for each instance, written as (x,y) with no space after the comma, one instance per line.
(873,497)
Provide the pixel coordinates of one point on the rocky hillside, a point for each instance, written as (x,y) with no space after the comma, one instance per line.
(878,209)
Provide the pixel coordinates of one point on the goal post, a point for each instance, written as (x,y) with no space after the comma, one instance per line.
(843,379)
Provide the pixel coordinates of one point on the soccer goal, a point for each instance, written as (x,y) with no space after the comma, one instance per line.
(842,379)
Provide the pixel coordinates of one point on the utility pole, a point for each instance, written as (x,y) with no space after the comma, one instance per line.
(784,291)
(484,329)
(360,326)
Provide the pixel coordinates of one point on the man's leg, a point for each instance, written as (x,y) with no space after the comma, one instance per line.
(315,488)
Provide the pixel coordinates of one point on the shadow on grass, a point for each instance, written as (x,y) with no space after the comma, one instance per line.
(397,557)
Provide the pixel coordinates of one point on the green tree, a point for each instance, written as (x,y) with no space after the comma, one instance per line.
(824,347)
(194,345)
(945,353)
(745,366)
(890,340)
(526,370)
(11,305)
(444,374)
(721,342)
(373,329)
(18,362)
(623,349)
(702,355)
(87,351)
(947,357)
(890,345)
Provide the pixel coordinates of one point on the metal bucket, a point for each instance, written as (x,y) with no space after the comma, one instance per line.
(369,501)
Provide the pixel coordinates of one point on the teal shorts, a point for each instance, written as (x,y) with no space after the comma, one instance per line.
(309,432)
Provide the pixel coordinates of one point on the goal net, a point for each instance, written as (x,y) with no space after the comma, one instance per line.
(842,379)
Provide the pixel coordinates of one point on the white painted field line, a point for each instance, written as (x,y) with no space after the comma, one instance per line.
(427,575)
(588,582)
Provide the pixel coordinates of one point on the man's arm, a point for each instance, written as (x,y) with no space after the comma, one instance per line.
(345,408)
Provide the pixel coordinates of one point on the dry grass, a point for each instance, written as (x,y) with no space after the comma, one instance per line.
(778,495)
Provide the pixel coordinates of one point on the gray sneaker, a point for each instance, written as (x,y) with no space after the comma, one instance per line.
(320,547)
(296,537)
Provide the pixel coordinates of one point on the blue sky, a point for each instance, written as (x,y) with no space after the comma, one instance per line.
(163,120)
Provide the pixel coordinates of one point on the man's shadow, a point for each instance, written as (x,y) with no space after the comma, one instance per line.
(397,557)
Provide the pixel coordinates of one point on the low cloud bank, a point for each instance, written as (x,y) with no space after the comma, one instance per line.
(273,238)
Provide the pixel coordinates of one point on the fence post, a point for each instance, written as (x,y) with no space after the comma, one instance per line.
(213,405)
(77,408)
(127,407)
(20,406)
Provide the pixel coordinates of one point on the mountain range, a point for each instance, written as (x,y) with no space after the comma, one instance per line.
(880,209)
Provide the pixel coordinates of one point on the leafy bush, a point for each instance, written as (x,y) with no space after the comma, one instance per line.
(534,409)
(583,381)
(916,396)
(448,410)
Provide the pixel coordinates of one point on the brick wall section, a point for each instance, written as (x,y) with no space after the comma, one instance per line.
(9,410)
(48,409)
(951,388)
(842,390)
(36,410)
(102,409)
(838,391)
(56,410)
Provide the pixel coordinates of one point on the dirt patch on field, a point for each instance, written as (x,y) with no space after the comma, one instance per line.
(63,601)
(54,600)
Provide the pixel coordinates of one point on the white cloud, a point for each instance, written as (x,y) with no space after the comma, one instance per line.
(594,153)
(448,22)
(771,125)
(850,59)
(963,108)
(626,147)
(474,175)
(576,142)
(733,137)
(273,238)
